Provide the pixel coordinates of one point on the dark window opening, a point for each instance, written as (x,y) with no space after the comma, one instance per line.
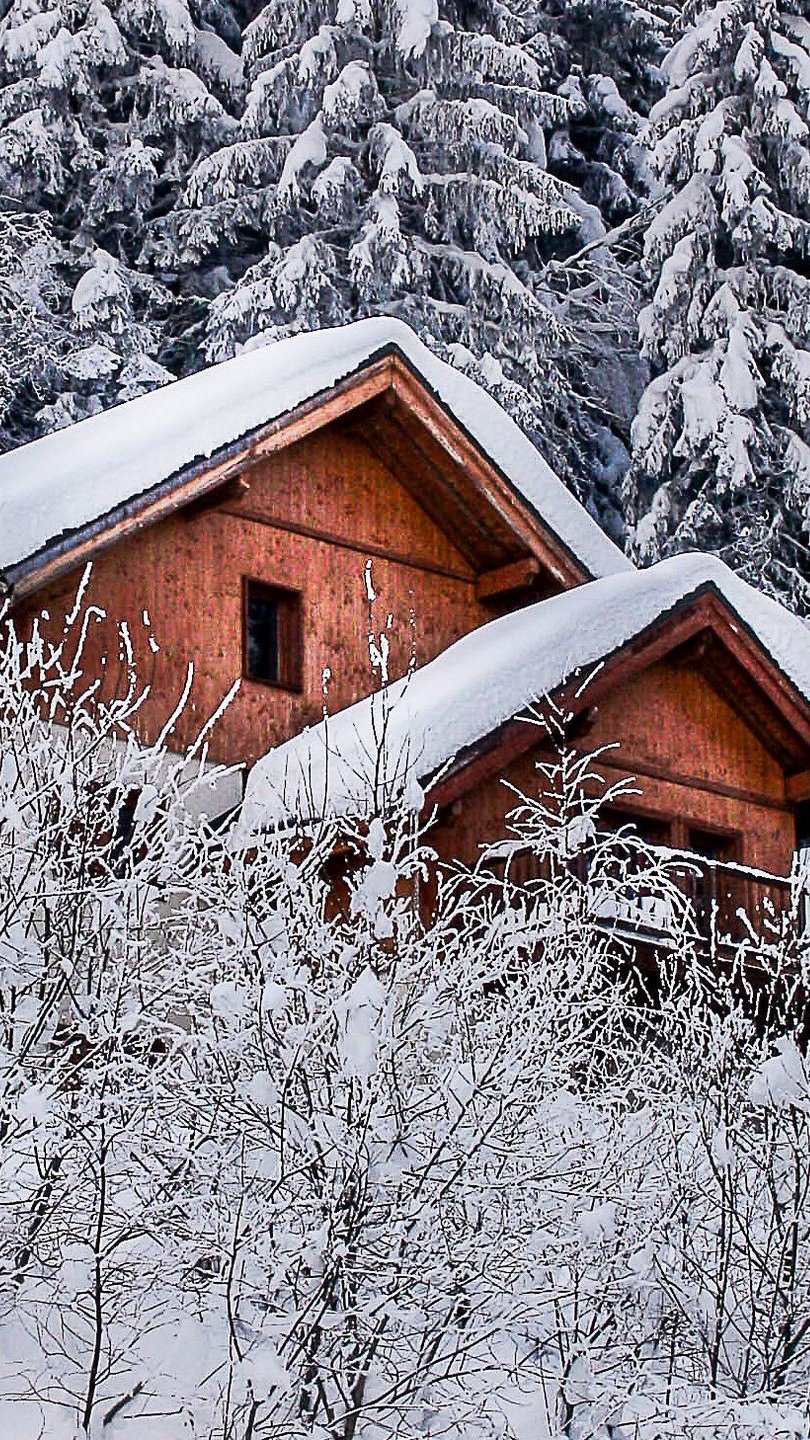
(272,635)
(803,825)
(119,838)
(526,865)
(650,829)
(125,823)
(713,844)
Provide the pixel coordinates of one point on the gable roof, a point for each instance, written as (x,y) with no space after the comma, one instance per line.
(56,491)
(436,721)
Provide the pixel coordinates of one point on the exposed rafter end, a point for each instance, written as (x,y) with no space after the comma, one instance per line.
(232,489)
(518,575)
(798,787)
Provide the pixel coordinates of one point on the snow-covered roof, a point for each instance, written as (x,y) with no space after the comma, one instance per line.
(491,675)
(74,477)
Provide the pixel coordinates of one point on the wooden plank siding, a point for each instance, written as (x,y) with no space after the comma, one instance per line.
(713,731)
(696,761)
(412,432)
(311,516)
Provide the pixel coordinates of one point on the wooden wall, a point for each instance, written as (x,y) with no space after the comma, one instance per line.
(312,516)
(695,760)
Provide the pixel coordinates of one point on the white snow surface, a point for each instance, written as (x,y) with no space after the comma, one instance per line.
(486,678)
(69,479)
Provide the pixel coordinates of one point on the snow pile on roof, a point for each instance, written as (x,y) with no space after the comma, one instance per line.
(485,679)
(71,478)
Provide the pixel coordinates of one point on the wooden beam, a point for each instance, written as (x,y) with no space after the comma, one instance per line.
(693,652)
(207,475)
(725,658)
(452,483)
(486,478)
(798,787)
(423,473)
(231,491)
(518,736)
(582,724)
(480,762)
(501,510)
(519,575)
(768,681)
(341,542)
(739,690)
(490,756)
(648,770)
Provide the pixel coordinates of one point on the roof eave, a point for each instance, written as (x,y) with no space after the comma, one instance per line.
(491,753)
(200,477)
(71,548)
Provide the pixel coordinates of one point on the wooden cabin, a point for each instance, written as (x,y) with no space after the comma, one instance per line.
(261,519)
(250,560)
(699,685)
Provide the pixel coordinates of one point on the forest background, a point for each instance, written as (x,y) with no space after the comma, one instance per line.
(598,208)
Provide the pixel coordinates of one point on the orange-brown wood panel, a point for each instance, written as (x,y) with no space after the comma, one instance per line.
(766,832)
(186,573)
(311,516)
(670,715)
(333,483)
(710,771)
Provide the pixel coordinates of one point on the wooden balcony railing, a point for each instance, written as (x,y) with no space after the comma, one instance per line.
(731,903)
(728,906)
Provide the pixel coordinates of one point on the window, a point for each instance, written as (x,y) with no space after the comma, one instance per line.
(713,844)
(272,635)
(125,823)
(651,829)
(803,827)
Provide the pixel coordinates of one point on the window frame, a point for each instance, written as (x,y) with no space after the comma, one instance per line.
(640,817)
(730,840)
(290,634)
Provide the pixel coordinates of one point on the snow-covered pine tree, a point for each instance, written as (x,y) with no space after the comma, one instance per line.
(407,157)
(720,443)
(624,39)
(31,332)
(103,109)
(609,53)
(217,172)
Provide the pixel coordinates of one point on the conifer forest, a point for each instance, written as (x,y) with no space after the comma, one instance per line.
(598,208)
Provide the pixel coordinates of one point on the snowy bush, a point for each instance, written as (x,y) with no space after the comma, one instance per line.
(294,1144)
